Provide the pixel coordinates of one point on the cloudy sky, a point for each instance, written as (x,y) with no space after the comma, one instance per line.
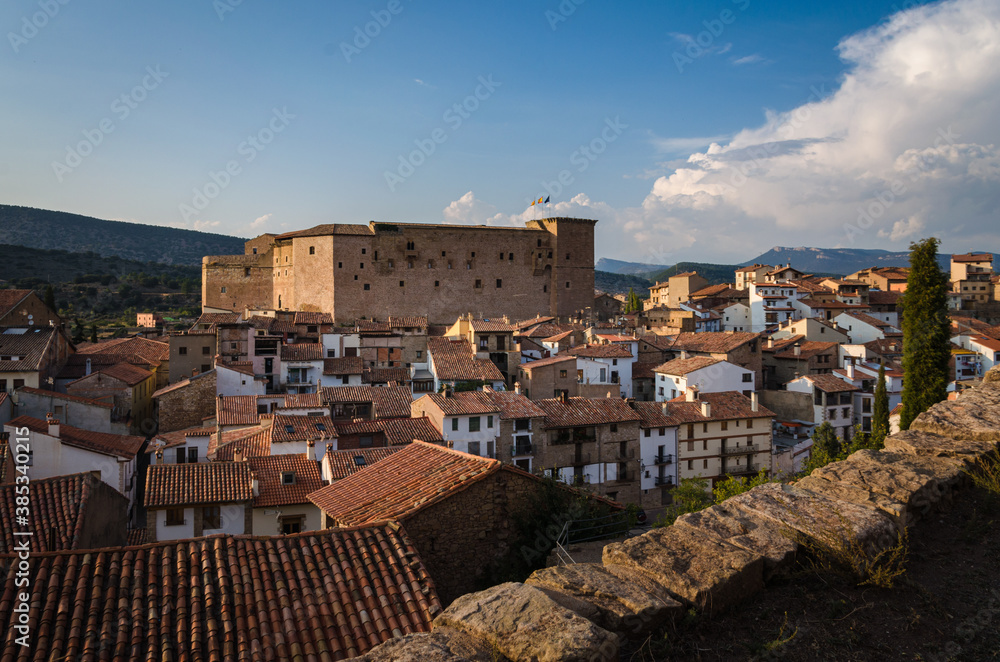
(706,131)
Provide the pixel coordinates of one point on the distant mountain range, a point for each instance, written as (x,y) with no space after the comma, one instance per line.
(841,260)
(633,268)
(56,230)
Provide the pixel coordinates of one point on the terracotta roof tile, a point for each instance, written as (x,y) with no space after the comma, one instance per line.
(236,410)
(131,349)
(880,298)
(454,360)
(387,401)
(327,595)
(301,401)
(723,406)
(385,375)
(407,322)
(651,415)
(610,351)
(125,372)
(251,442)
(64,396)
(492,326)
(344,463)
(586,412)
(306,351)
(643,369)
(524,324)
(684,366)
(715,342)
(169,485)
(301,428)
(310,318)
(401,485)
(23,349)
(57,510)
(972,257)
(871,321)
(345,365)
(270,473)
(397,431)
(118,445)
(138,537)
(830,384)
(807,349)
(556,358)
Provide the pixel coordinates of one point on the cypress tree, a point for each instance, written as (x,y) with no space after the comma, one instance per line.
(880,412)
(50,298)
(93,333)
(926,333)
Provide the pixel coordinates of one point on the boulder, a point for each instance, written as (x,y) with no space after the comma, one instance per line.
(523,623)
(915,442)
(974,416)
(440,645)
(821,521)
(700,570)
(835,491)
(610,602)
(919,483)
(746,531)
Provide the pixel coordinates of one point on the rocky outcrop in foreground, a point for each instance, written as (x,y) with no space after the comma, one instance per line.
(716,558)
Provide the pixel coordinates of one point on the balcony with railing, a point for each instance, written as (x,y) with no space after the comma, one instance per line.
(662,481)
(625,477)
(740,450)
(663,458)
(521,449)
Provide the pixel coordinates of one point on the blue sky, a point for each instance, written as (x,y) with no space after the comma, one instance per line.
(463,112)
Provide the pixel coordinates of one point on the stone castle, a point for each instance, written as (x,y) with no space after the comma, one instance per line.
(400,269)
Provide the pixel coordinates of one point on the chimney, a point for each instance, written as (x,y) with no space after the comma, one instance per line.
(564,397)
(447,391)
(754,401)
(797,350)
(691,394)
(684,354)
(850,370)
(770,342)
(87,369)
(665,408)
(706,409)
(517,388)
(53,425)
(238,455)
(159,456)
(194,373)
(255,486)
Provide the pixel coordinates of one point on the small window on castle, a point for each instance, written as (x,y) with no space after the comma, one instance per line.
(340,265)
(550,255)
(362,265)
(473,253)
(510,256)
(409,265)
(501,255)
(401,283)
(430,264)
(364,250)
(276,260)
(391,264)
(437,283)
(355,276)
(410,246)
(312,250)
(567,285)
(444,253)
(468,265)
(479,284)
(567,256)
(539,243)
(223,289)
(367,286)
(286,258)
(545,288)
(255,251)
(499,283)
(246,272)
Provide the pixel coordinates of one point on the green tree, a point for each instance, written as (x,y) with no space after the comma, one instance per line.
(632,303)
(690,496)
(926,332)
(825,449)
(738,485)
(50,297)
(77,331)
(93,333)
(880,412)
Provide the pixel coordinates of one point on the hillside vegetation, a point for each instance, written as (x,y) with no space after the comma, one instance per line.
(44,229)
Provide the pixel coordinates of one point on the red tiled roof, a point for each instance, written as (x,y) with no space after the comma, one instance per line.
(131,349)
(217,318)
(63,396)
(556,358)
(138,537)
(524,324)
(327,595)
(344,463)
(830,383)
(397,431)
(869,320)
(988,343)
(610,351)
(713,290)
(302,401)
(57,507)
(28,347)
(684,366)
(545,330)
(401,485)
(407,322)
(880,298)
(165,440)
(643,369)
(118,445)
(972,257)
(385,375)
(272,490)
(301,428)
(345,365)
(715,342)
(309,318)
(169,485)
(251,442)
(651,415)
(10,298)
(586,412)
(492,326)
(387,401)
(837,305)
(242,367)
(727,405)
(454,360)
(236,410)
(125,372)
(807,349)
(463,404)
(306,351)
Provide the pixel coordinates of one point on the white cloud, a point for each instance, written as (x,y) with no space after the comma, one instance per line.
(467,210)
(675,145)
(204,226)
(905,147)
(749,59)
(260,221)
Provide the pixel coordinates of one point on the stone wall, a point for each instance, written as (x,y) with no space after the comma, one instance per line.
(188,405)
(437,271)
(714,559)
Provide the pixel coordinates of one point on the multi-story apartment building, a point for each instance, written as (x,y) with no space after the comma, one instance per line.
(971,279)
(410,269)
(832,401)
(720,435)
